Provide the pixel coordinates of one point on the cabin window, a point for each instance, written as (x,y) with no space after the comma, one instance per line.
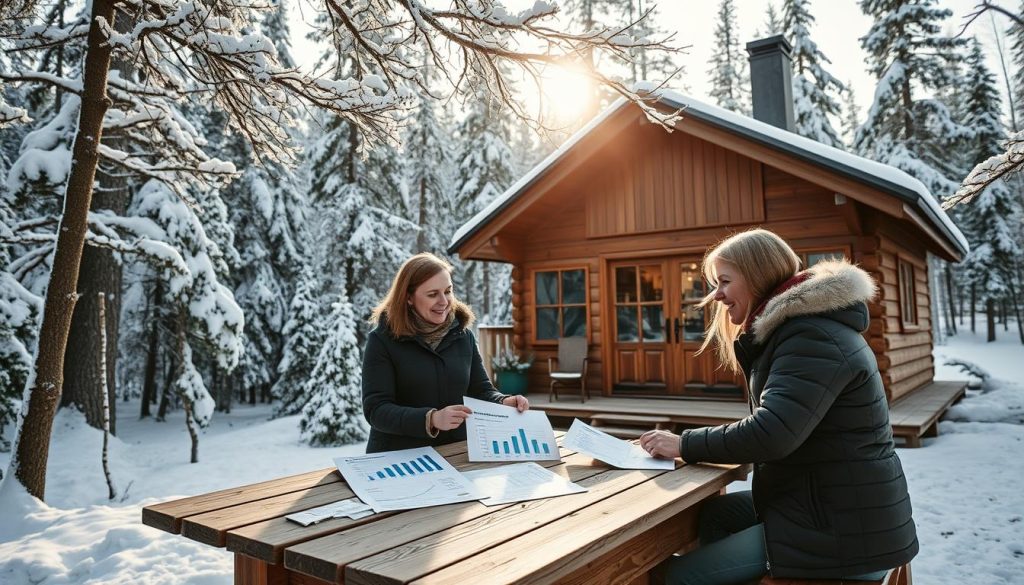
(560,301)
(809,258)
(908,294)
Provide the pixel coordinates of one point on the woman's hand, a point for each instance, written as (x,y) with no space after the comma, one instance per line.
(661,444)
(518,402)
(449,417)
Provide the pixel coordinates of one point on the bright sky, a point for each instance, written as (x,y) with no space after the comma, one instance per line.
(839,24)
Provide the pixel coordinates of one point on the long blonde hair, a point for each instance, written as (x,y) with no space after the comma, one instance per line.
(394,307)
(765,261)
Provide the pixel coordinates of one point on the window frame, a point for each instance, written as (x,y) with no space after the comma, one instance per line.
(907,291)
(534,306)
(803,253)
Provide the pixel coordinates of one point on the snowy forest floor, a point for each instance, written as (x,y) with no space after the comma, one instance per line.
(965,486)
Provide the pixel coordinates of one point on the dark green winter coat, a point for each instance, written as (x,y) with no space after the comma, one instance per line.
(827,482)
(403,379)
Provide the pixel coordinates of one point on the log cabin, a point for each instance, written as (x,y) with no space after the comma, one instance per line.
(607,234)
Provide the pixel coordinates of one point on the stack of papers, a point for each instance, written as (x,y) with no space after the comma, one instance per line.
(599,445)
(352,508)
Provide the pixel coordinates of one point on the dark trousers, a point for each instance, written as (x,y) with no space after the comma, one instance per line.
(732,547)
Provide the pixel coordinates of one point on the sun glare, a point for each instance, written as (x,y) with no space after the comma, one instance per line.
(566,94)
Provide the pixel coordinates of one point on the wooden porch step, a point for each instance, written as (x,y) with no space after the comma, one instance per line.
(654,422)
(628,426)
(917,414)
(628,433)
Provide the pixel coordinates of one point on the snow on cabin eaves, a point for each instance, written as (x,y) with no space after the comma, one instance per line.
(880,176)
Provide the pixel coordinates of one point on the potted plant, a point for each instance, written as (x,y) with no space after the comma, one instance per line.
(510,370)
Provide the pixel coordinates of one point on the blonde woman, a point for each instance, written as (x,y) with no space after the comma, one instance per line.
(420,360)
(829,499)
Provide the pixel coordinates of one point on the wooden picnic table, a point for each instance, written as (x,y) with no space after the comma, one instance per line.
(625,523)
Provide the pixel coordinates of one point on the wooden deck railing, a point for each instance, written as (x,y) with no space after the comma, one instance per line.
(492,339)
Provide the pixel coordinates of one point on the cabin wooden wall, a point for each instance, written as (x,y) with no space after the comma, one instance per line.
(904,353)
(652,194)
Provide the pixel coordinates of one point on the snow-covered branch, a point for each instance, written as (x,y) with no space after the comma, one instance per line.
(990,171)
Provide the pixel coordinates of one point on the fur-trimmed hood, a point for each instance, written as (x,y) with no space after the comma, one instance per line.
(832,285)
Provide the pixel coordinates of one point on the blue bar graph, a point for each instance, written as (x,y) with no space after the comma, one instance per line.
(518,443)
(536,448)
(515,444)
(546,451)
(422,464)
(522,435)
(494,445)
(506,446)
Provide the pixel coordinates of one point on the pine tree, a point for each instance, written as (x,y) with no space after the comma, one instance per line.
(992,220)
(334,413)
(851,115)
(730,82)
(428,167)
(814,89)
(1016,35)
(773,24)
(304,335)
(905,52)
(486,167)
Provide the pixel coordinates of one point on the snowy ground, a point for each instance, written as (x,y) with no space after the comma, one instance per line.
(965,484)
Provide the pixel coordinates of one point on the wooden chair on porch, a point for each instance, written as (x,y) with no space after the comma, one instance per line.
(570,367)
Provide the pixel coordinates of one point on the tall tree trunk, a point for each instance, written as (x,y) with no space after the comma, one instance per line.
(949,296)
(190,423)
(974,302)
(1003,316)
(111,492)
(990,319)
(99,273)
(149,372)
(32,453)
(421,237)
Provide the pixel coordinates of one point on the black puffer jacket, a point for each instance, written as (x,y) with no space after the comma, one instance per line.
(403,379)
(827,483)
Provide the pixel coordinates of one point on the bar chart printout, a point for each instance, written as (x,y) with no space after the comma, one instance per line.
(402,480)
(495,432)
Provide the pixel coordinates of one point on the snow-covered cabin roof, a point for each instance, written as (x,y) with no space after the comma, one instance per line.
(880,176)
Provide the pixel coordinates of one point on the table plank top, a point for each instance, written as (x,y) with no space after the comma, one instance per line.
(546,539)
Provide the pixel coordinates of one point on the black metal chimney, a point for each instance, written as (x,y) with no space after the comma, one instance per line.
(771,81)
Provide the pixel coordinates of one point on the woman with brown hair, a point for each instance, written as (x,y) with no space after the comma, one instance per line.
(829,499)
(420,360)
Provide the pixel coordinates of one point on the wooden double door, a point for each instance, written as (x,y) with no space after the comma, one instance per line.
(658,328)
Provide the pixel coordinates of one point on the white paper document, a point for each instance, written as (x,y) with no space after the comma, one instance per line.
(520,482)
(613,451)
(353,508)
(402,480)
(495,432)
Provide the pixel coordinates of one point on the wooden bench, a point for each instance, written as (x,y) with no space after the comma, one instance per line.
(897,576)
(629,426)
(917,414)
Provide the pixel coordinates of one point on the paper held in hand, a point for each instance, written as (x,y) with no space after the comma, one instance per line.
(495,432)
(599,445)
(407,479)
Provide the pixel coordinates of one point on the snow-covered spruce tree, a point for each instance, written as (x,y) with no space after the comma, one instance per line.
(207,44)
(851,116)
(992,219)
(815,103)
(907,53)
(485,168)
(428,163)
(730,81)
(1009,161)
(173,237)
(334,413)
(304,335)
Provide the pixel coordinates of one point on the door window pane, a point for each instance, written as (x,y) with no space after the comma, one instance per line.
(626,324)
(625,284)
(654,323)
(573,287)
(574,322)
(693,323)
(547,323)
(816,257)
(651,284)
(547,288)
